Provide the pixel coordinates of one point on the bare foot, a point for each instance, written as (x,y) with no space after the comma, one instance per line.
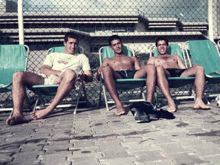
(199,104)
(120,110)
(172,106)
(15,120)
(172,109)
(40,114)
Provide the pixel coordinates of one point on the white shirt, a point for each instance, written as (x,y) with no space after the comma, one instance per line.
(62,62)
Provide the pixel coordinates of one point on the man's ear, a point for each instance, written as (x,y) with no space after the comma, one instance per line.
(64,43)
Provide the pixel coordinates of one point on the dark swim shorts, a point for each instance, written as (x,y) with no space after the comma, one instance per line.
(125,74)
(175,72)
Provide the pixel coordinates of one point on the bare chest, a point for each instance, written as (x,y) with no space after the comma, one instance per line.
(122,63)
(167,62)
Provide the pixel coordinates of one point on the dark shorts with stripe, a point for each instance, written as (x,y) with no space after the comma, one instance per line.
(175,72)
(125,74)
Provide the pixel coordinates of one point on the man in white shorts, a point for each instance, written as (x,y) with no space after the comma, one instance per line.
(58,68)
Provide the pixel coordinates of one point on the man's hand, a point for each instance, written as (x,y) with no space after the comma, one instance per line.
(99,73)
(81,77)
(47,70)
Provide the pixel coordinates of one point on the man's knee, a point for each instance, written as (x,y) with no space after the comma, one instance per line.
(18,76)
(150,68)
(160,69)
(107,69)
(199,68)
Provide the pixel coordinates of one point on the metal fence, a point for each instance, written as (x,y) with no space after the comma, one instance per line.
(138,22)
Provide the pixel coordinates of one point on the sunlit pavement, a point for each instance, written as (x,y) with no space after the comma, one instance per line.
(95,136)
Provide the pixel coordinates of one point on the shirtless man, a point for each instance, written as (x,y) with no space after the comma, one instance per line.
(121,66)
(172,66)
(58,68)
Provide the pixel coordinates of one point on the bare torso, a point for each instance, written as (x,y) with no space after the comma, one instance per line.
(121,62)
(167,61)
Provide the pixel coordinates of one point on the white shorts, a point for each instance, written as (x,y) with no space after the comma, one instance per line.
(49,80)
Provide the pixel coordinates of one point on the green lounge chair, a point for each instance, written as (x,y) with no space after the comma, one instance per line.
(177,82)
(206,54)
(50,90)
(121,84)
(13,58)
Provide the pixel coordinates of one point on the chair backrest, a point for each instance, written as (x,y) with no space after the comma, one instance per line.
(218,43)
(204,53)
(174,49)
(107,52)
(13,58)
(61,49)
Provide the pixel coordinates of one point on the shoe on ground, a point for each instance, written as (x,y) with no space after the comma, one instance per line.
(139,115)
(151,110)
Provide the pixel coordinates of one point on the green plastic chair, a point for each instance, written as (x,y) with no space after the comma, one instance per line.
(177,82)
(121,84)
(50,90)
(13,58)
(206,54)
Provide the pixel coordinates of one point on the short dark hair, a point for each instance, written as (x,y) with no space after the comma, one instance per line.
(114,37)
(162,38)
(71,35)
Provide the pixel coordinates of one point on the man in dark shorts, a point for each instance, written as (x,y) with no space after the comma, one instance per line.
(125,74)
(121,66)
(172,66)
(175,72)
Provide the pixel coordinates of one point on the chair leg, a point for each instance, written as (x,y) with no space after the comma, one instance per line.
(35,105)
(156,98)
(85,95)
(77,101)
(12,111)
(105,97)
(206,98)
(142,94)
(28,103)
(100,93)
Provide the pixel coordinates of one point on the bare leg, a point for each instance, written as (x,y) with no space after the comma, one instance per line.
(66,81)
(164,87)
(148,72)
(109,76)
(198,72)
(20,81)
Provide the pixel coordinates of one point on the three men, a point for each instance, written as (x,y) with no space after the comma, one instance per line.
(58,68)
(121,66)
(65,68)
(172,66)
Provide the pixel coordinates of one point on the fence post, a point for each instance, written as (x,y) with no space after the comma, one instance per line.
(216,14)
(210,19)
(20,22)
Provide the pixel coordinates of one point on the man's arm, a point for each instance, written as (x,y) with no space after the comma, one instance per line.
(180,63)
(104,63)
(47,70)
(86,76)
(137,65)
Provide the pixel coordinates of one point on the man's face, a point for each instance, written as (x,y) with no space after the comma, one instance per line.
(162,47)
(116,46)
(71,45)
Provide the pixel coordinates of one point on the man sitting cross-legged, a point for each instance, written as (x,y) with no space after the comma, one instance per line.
(172,66)
(121,66)
(58,68)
